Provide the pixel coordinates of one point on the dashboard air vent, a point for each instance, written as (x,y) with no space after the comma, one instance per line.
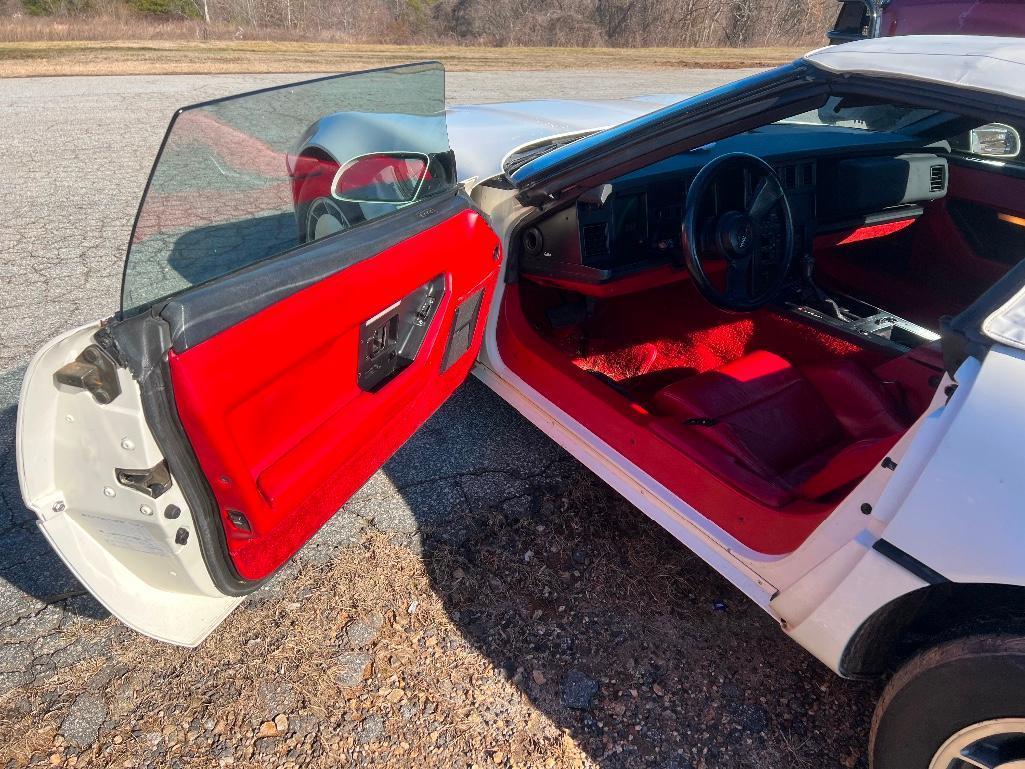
(796,176)
(937,178)
(595,243)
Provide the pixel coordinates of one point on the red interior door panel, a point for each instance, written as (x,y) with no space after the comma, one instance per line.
(278,409)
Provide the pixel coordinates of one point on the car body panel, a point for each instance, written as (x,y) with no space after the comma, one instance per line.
(858,19)
(119,542)
(481,135)
(943,17)
(971,489)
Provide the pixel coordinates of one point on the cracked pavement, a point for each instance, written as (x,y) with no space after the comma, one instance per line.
(76,153)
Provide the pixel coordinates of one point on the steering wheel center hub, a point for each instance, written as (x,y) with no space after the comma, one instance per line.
(736,234)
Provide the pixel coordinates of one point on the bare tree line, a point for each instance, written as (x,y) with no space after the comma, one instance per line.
(585,23)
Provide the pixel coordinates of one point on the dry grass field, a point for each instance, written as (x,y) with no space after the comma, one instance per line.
(153,57)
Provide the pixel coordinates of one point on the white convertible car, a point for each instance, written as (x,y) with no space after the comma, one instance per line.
(785,318)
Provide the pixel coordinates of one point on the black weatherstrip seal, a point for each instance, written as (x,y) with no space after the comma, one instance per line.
(202,311)
(143,342)
(908,562)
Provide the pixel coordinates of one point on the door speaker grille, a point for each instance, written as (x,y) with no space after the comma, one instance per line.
(463,327)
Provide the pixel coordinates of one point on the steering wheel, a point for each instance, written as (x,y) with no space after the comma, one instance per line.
(738,214)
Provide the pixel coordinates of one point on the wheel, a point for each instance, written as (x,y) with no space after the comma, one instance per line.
(323,217)
(957,706)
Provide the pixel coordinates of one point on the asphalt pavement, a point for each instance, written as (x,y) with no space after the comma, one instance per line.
(74,158)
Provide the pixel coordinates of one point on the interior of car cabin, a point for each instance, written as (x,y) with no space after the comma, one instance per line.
(761,358)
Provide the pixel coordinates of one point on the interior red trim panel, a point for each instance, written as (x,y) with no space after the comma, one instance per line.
(858,234)
(629,284)
(272,406)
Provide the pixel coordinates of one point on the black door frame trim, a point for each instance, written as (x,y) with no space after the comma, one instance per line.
(202,311)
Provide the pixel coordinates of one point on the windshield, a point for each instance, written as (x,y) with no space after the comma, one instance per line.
(847,113)
(249,177)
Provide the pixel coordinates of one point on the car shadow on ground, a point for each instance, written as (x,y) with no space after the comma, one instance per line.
(31,573)
(624,641)
(619,635)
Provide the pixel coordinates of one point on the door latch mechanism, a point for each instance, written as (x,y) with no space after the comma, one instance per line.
(94,371)
(152,482)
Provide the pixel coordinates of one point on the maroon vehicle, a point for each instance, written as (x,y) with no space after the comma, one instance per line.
(859,19)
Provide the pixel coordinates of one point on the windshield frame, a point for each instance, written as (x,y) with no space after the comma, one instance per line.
(738,107)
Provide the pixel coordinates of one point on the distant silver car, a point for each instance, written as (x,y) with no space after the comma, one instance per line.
(784,318)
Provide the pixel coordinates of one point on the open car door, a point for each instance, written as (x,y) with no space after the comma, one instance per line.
(304,286)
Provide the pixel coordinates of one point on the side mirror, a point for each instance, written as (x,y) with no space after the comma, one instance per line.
(381,177)
(995,140)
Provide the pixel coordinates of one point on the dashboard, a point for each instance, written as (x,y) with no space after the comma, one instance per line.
(835,178)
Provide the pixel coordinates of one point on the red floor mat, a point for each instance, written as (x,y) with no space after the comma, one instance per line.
(646,341)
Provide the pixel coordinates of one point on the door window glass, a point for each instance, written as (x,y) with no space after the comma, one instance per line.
(246,178)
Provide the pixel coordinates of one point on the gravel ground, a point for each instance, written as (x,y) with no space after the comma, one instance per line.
(483,601)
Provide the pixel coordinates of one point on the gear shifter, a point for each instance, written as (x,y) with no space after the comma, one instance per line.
(827,303)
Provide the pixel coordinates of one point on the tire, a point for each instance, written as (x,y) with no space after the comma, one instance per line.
(322,217)
(951,698)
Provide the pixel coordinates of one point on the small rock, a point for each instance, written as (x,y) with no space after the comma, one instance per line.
(498,757)
(304,725)
(82,724)
(152,738)
(267,729)
(277,695)
(281,722)
(353,668)
(538,676)
(371,729)
(360,634)
(578,690)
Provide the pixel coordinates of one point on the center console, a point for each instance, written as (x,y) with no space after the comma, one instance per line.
(865,321)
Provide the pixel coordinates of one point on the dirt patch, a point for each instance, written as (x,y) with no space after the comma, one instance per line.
(568,631)
(30,59)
